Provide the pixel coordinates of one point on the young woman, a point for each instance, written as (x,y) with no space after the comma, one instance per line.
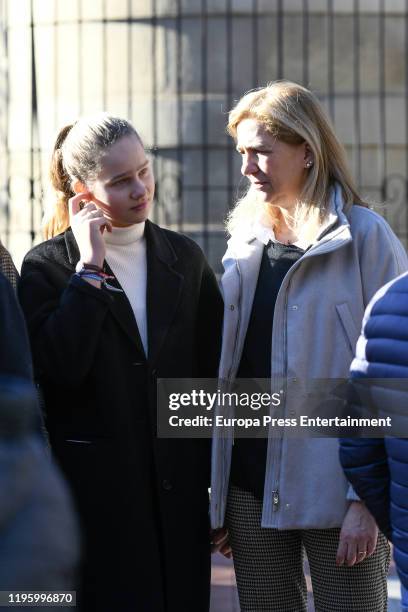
(304,259)
(113,302)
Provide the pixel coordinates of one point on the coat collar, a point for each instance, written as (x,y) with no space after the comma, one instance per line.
(243,259)
(336,226)
(163,291)
(72,248)
(153,233)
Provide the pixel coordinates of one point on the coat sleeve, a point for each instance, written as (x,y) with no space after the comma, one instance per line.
(63,326)
(382,256)
(365,463)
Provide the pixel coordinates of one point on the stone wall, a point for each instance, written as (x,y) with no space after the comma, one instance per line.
(174,67)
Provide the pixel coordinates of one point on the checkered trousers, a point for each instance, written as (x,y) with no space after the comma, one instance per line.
(269,565)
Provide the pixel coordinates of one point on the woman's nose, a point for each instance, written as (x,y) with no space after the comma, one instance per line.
(249,165)
(138,190)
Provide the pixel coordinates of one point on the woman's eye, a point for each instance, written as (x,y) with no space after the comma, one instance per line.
(121,181)
(255,152)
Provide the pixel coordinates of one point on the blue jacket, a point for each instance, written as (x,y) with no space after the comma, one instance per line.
(378,468)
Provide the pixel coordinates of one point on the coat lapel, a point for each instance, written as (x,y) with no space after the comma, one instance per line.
(119,303)
(72,249)
(164,286)
(248,256)
(122,310)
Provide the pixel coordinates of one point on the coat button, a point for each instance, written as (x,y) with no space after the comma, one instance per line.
(167,486)
(232,307)
(295,307)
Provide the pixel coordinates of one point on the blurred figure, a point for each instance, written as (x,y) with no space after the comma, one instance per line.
(7,266)
(39,538)
(15,357)
(15,354)
(378,468)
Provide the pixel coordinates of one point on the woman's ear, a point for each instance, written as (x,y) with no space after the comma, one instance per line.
(308,154)
(79,187)
(308,159)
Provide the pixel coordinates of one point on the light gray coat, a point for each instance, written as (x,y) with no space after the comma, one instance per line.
(317,321)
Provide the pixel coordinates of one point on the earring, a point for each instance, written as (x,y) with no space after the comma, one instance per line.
(309,163)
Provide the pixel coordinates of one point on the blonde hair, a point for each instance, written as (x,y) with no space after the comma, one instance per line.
(294,115)
(77,155)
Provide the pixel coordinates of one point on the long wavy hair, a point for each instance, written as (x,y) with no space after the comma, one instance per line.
(294,115)
(77,155)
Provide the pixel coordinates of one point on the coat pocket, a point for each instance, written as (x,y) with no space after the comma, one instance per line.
(349,327)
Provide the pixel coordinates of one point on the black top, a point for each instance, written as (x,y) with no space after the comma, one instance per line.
(249,454)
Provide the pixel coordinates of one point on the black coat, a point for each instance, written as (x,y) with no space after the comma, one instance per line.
(143,500)
(15,357)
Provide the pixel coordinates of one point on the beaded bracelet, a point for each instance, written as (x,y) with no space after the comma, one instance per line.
(92,276)
(102,277)
(85,271)
(82,266)
(92,267)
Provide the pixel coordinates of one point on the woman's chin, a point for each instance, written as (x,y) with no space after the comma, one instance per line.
(133,217)
(262,197)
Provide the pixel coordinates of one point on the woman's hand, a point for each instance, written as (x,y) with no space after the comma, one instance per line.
(88,226)
(220,542)
(358,535)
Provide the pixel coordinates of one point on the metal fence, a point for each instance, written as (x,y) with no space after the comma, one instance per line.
(175,67)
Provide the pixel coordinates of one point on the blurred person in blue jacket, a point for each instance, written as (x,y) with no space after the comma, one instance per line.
(378,468)
(39,542)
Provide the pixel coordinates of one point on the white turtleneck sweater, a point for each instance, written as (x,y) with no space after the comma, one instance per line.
(126,255)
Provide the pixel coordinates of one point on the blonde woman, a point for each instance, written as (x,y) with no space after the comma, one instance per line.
(304,258)
(113,302)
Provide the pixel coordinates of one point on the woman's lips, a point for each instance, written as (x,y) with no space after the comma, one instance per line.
(140,206)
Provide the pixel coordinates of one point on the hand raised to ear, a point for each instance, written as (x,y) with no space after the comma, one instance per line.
(88,225)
